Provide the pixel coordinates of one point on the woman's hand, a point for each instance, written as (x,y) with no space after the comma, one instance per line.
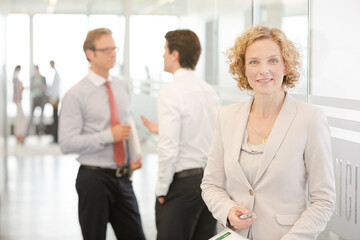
(234,218)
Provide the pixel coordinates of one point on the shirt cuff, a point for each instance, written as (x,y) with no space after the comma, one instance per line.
(161,189)
(108,136)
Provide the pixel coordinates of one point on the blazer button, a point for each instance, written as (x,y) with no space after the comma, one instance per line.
(251,192)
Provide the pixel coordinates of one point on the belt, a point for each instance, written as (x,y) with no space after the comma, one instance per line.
(118,172)
(188,173)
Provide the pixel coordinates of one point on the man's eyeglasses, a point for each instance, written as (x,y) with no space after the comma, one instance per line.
(107,50)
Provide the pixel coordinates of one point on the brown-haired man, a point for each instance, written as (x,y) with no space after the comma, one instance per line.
(187,109)
(92,124)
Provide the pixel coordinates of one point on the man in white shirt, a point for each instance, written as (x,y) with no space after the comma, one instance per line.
(186,112)
(54,97)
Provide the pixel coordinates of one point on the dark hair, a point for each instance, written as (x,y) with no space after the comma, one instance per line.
(93,35)
(17,68)
(187,44)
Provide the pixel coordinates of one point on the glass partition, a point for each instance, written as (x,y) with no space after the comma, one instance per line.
(147,46)
(335,86)
(234,17)
(335,49)
(60,38)
(18,53)
(3,124)
(292,18)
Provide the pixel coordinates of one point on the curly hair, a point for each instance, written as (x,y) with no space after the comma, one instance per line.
(236,55)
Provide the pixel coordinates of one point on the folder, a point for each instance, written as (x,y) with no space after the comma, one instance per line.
(228,234)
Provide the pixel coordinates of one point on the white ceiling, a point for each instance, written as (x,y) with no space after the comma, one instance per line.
(176,7)
(155,7)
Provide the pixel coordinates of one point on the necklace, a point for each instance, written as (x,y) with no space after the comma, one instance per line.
(263,139)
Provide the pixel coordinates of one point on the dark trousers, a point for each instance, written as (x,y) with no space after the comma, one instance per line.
(103,199)
(37,102)
(184,215)
(55,124)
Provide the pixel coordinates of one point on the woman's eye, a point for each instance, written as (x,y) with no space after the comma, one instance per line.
(253,62)
(274,61)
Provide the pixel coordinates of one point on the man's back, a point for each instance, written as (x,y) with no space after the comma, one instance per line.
(196,104)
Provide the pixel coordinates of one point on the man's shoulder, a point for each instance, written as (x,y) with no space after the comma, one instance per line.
(80,88)
(166,90)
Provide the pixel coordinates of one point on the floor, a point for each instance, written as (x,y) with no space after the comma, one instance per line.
(40,202)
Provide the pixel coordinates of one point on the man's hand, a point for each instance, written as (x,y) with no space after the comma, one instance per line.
(136,165)
(120,132)
(234,218)
(153,127)
(161,200)
(56,104)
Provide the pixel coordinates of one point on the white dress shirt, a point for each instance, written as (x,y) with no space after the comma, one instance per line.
(187,108)
(55,88)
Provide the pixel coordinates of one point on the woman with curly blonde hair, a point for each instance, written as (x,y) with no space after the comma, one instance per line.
(268,153)
(291,56)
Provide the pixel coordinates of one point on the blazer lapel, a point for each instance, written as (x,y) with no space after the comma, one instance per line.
(277,135)
(240,121)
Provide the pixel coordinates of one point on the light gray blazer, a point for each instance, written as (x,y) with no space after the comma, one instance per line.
(297,160)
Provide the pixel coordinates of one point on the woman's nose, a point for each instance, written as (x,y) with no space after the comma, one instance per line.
(264,69)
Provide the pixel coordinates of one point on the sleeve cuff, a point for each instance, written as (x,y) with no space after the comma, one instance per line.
(161,190)
(107,136)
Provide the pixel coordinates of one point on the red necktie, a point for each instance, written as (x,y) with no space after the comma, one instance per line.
(119,152)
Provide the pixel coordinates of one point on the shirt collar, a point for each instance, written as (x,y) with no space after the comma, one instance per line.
(97,80)
(181,71)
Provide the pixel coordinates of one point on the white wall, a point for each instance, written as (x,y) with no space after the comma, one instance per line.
(2,101)
(335,85)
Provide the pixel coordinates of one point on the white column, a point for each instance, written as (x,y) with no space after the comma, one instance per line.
(126,66)
(3,105)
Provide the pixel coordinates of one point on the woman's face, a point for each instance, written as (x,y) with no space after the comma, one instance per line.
(264,67)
